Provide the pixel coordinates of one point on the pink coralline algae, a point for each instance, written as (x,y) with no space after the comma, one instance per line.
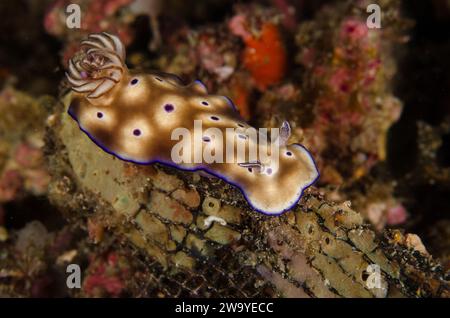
(11,183)
(24,173)
(106,276)
(352,109)
(354,30)
(396,215)
(211,57)
(380,206)
(382,213)
(237,26)
(28,156)
(96,16)
(288,13)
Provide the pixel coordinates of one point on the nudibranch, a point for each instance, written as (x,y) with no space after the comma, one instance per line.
(133,116)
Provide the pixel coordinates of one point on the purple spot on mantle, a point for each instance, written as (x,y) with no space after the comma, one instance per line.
(289,153)
(134,81)
(240,125)
(205,103)
(136,132)
(250,169)
(214,118)
(242,136)
(206,139)
(269,171)
(158,79)
(169,108)
(99,115)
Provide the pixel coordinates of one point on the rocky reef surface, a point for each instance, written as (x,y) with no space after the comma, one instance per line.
(154,231)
